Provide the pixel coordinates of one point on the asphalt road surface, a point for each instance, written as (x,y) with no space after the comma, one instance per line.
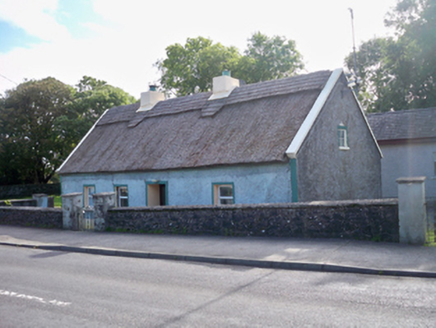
(56,289)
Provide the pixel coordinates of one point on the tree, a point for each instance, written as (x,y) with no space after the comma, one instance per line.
(269,58)
(30,151)
(191,68)
(42,121)
(91,99)
(400,73)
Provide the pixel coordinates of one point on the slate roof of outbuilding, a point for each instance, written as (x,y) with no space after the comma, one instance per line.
(403,125)
(255,124)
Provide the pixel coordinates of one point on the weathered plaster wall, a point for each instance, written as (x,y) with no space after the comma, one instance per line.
(408,160)
(327,173)
(253,184)
(369,219)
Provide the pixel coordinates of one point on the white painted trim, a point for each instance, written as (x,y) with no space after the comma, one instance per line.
(221,95)
(81,141)
(367,123)
(304,129)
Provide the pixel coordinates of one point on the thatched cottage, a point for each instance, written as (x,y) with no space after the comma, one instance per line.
(408,141)
(302,138)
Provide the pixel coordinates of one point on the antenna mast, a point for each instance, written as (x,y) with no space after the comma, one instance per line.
(355,79)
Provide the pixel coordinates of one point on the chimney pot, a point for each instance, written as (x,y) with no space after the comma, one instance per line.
(222,86)
(150,98)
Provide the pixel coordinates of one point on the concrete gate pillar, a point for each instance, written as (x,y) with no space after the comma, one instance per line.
(72,211)
(411,210)
(41,200)
(102,203)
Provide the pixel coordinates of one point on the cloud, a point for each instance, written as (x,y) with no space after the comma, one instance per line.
(129,36)
(35,17)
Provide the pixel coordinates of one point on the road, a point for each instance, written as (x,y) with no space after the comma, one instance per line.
(55,289)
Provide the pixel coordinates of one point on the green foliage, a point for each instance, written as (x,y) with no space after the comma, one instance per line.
(430,239)
(30,151)
(42,121)
(400,73)
(191,68)
(57,201)
(92,98)
(269,58)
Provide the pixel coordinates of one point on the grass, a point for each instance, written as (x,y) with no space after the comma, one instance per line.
(57,201)
(431,239)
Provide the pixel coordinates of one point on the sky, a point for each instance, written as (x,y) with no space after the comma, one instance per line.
(119,41)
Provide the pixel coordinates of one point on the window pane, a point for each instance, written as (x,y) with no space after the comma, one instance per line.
(124,202)
(226,201)
(342,133)
(122,197)
(226,191)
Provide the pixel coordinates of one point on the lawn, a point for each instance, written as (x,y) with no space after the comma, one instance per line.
(57,201)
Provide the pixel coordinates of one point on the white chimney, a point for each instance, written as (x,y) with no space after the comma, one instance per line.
(223,86)
(150,98)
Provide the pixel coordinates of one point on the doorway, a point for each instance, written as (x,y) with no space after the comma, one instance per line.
(157,194)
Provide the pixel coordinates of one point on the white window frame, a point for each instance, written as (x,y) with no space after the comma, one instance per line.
(218,199)
(343,137)
(120,197)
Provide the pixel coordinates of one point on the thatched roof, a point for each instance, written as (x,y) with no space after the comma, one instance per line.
(403,125)
(255,124)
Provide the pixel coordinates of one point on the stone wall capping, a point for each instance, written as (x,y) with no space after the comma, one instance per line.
(411,180)
(365,202)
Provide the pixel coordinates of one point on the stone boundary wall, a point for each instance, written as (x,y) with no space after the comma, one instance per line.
(361,219)
(27,190)
(31,217)
(19,202)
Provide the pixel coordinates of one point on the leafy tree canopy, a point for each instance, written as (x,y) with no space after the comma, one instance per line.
(42,121)
(400,72)
(269,58)
(191,68)
(29,150)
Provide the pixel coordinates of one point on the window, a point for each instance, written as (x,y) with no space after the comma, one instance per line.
(223,194)
(88,191)
(343,137)
(122,195)
(157,193)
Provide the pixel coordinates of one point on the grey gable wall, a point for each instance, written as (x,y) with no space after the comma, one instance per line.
(327,173)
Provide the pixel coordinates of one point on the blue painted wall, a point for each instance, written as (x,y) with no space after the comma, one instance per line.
(266,183)
(408,160)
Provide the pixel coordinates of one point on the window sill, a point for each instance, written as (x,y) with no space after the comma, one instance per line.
(344,148)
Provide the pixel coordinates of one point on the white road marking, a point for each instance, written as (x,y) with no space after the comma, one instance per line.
(33,298)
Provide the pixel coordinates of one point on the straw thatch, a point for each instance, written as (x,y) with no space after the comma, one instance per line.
(255,124)
(405,124)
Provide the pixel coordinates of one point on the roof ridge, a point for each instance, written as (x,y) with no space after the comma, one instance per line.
(199,101)
(402,111)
